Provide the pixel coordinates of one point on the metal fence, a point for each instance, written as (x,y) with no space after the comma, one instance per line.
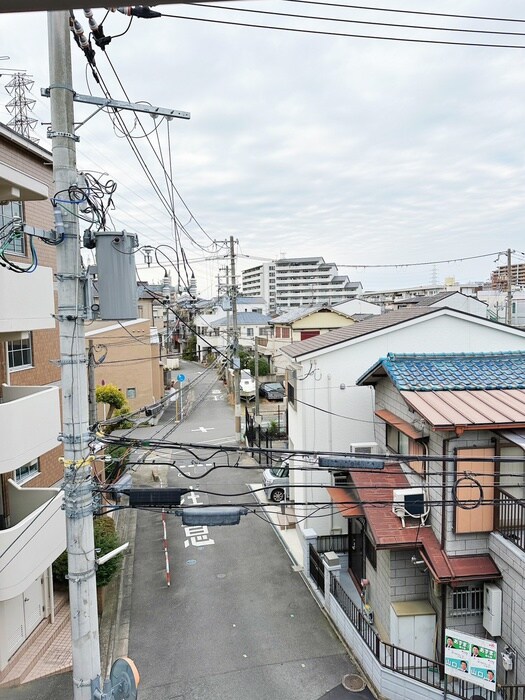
(316,568)
(332,543)
(407,663)
(510,518)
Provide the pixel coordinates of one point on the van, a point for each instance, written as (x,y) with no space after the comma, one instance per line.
(276,482)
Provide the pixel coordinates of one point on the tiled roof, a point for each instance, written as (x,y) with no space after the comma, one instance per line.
(428,301)
(357,330)
(388,532)
(455,371)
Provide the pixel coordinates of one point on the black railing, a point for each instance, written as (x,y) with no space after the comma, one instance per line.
(332,543)
(316,568)
(512,692)
(407,663)
(510,518)
(361,624)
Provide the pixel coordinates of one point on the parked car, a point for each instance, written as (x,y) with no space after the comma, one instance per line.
(276,481)
(247,385)
(273,391)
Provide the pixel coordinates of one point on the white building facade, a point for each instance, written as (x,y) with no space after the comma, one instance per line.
(296,282)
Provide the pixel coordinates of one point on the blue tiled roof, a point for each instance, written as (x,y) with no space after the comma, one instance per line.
(456,371)
(244,318)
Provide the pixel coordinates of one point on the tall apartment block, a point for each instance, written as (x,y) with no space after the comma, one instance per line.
(32,523)
(297,282)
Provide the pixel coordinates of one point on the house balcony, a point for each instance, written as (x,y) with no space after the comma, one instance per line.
(509,518)
(29,424)
(35,538)
(26,302)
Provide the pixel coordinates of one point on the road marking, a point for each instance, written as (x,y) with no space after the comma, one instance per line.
(201,429)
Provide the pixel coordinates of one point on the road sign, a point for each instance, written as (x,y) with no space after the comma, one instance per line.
(181,377)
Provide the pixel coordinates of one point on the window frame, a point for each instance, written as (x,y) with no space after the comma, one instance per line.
(11,353)
(33,470)
(17,246)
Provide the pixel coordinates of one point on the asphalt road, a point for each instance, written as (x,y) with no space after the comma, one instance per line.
(237,620)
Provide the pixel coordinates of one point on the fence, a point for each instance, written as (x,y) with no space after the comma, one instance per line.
(510,518)
(407,663)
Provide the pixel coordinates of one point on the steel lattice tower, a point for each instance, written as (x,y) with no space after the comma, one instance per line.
(21,104)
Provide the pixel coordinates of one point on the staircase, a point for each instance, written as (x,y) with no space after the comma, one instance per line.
(46,652)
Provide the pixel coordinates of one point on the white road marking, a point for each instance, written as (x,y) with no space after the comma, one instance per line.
(201,429)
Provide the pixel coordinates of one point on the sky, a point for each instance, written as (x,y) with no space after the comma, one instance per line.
(365,152)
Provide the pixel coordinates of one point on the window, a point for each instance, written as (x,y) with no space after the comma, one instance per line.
(285,332)
(467,600)
(19,353)
(249,332)
(397,441)
(131,393)
(370,551)
(28,471)
(8,212)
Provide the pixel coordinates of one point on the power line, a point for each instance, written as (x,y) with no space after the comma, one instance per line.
(346,35)
(359,21)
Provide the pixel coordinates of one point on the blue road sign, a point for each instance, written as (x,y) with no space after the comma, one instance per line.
(181,377)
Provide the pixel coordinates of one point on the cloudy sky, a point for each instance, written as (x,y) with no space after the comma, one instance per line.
(366,152)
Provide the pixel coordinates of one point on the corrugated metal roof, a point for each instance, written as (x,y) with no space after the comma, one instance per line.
(451,371)
(448,410)
(304,311)
(357,330)
(244,318)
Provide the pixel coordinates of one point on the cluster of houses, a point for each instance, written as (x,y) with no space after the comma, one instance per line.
(437,389)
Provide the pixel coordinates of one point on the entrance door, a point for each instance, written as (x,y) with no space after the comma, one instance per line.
(34,605)
(357,549)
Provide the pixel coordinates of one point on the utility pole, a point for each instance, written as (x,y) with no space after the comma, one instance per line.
(256,357)
(509,287)
(235,344)
(78,487)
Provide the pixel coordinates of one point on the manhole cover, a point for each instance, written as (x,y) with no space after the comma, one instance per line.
(353,683)
(191,562)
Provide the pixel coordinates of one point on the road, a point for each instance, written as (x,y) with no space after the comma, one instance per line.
(237,620)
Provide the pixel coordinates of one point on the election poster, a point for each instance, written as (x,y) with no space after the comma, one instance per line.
(471,658)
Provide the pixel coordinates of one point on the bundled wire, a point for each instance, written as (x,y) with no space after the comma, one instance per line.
(8,234)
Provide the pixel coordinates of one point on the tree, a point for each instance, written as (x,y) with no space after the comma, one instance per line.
(111,395)
(190,352)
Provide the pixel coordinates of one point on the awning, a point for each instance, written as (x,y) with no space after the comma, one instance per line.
(345,501)
(402,425)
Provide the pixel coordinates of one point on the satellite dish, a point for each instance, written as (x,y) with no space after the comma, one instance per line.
(124,679)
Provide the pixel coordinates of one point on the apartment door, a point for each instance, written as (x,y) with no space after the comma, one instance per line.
(357,549)
(33,605)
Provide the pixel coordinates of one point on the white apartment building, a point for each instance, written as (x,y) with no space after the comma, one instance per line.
(32,522)
(298,282)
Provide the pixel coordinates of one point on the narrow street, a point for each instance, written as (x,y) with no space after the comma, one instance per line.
(237,620)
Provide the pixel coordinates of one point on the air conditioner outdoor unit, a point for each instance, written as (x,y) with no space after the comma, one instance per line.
(367,448)
(410,503)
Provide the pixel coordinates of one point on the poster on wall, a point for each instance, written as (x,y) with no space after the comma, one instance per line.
(471,658)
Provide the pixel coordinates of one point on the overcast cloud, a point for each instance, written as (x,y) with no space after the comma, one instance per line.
(363,152)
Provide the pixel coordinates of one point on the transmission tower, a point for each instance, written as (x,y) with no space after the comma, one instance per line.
(19,88)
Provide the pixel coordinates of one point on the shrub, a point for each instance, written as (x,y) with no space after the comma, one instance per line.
(106,540)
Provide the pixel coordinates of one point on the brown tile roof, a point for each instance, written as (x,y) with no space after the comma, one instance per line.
(388,532)
(469,410)
(345,502)
(369,325)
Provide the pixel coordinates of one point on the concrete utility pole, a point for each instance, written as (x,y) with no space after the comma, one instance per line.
(78,493)
(508,318)
(235,344)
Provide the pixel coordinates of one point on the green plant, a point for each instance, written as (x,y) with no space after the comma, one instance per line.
(112,395)
(273,428)
(119,458)
(106,540)
(264,367)
(190,351)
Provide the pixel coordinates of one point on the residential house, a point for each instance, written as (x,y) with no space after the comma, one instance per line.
(32,523)
(300,324)
(464,414)
(127,354)
(214,324)
(391,299)
(328,410)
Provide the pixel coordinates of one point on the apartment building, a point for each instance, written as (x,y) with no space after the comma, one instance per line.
(296,282)
(32,523)
(499,276)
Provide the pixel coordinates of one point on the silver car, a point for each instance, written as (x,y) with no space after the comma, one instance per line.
(276,481)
